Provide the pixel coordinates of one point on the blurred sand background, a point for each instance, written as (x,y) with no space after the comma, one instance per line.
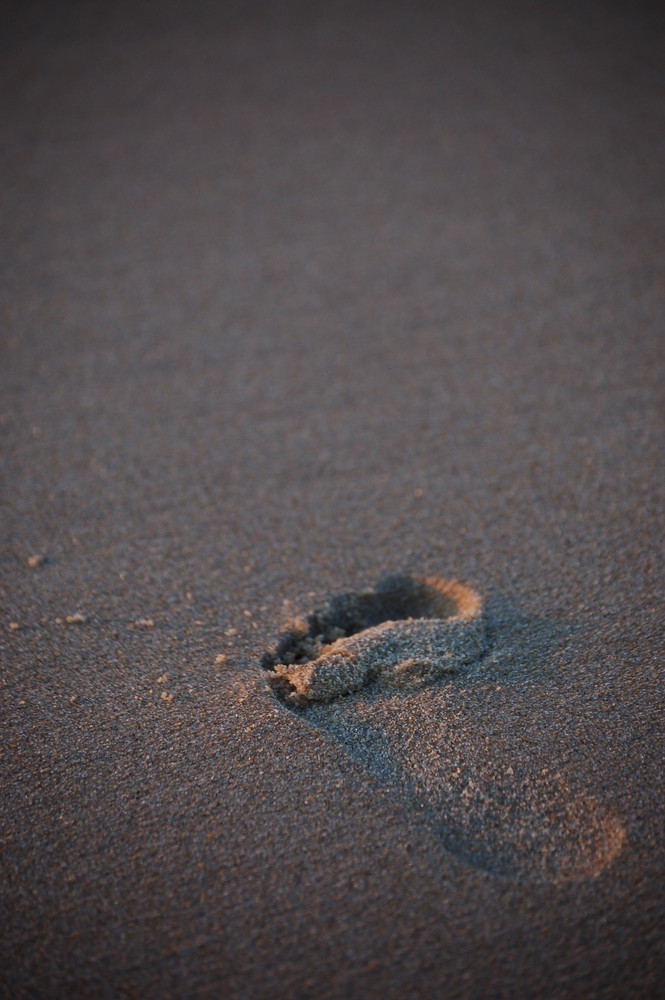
(295,296)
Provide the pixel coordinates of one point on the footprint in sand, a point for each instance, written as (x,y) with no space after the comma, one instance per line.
(370,670)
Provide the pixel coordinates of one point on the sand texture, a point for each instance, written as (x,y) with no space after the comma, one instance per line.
(332,500)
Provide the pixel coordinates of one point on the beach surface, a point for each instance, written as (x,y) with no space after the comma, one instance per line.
(297,299)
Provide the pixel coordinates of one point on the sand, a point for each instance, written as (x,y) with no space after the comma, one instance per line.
(294,300)
(406,632)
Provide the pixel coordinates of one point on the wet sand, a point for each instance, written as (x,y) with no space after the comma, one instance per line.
(294,301)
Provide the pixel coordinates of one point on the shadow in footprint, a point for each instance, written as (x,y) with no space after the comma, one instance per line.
(403,677)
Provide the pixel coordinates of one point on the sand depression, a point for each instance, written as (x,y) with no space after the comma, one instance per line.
(406,632)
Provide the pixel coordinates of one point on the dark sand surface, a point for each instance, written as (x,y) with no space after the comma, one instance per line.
(294,298)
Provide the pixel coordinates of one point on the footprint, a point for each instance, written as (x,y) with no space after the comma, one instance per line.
(381,672)
(404,633)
